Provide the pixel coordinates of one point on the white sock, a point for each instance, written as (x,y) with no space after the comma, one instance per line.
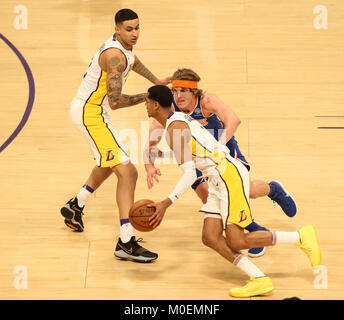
(83,195)
(248,266)
(285,237)
(126,232)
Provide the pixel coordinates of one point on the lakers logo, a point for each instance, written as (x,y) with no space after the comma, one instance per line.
(242,216)
(109,155)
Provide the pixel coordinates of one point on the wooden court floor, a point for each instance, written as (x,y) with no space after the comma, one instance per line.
(276,63)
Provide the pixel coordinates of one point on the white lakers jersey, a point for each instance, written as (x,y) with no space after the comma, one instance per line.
(93,86)
(207,152)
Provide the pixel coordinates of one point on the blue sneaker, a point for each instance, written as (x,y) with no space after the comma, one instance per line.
(283,198)
(255,252)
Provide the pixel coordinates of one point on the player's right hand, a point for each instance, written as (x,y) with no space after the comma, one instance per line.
(152,174)
(160,209)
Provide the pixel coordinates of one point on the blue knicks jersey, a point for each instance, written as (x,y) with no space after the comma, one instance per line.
(196,113)
(215,126)
(212,122)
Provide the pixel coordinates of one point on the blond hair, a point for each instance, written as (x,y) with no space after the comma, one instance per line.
(188,74)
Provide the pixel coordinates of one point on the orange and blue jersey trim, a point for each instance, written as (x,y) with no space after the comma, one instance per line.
(194,113)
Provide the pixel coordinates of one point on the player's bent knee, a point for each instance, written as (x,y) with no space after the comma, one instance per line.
(126,171)
(209,240)
(202,192)
(133,172)
(204,197)
(206,241)
(253,195)
(237,244)
(253,191)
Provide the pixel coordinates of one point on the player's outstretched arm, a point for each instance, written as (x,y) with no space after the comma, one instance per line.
(178,137)
(113,62)
(139,68)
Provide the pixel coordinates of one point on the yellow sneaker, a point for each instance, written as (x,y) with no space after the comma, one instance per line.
(255,287)
(309,244)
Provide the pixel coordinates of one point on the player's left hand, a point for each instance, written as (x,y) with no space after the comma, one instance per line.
(152,174)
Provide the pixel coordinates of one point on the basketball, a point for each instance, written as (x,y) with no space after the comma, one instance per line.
(139,215)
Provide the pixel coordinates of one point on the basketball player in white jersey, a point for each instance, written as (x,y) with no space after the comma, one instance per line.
(227,208)
(101,89)
(222,122)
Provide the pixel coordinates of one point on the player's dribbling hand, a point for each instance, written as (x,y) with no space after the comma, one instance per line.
(160,209)
(152,174)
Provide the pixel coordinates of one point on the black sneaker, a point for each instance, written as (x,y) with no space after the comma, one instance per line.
(133,251)
(73,213)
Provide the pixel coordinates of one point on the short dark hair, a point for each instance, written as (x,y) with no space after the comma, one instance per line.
(161,94)
(124,15)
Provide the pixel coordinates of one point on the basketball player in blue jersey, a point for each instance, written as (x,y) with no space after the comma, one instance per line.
(227,211)
(222,122)
(101,89)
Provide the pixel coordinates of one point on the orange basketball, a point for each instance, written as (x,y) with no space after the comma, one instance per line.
(139,215)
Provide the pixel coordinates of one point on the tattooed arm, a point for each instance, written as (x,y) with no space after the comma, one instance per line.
(113,62)
(139,68)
